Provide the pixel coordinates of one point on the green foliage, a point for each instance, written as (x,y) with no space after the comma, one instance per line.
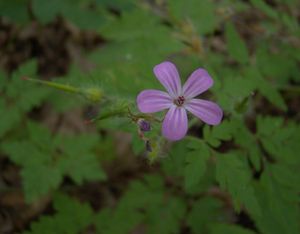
(234,176)
(216,179)
(195,164)
(264,7)
(237,92)
(249,144)
(279,140)
(278,66)
(144,202)
(174,163)
(229,229)
(222,132)
(71,217)
(281,18)
(236,131)
(18,96)
(200,13)
(266,88)
(125,65)
(45,161)
(117,4)
(76,11)
(280,213)
(15,10)
(203,214)
(235,45)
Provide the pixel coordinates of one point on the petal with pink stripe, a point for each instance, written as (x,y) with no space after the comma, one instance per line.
(167,74)
(198,82)
(151,100)
(208,112)
(175,124)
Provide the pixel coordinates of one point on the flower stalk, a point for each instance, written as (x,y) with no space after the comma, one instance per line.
(66,88)
(94,94)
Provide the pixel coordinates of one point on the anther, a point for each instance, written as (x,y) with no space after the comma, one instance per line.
(179,101)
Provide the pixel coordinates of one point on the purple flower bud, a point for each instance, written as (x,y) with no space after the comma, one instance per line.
(144,125)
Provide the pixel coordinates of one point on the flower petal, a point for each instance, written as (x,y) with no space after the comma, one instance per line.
(167,74)
(175,124)
(208,112)
(198,82)
(151,100)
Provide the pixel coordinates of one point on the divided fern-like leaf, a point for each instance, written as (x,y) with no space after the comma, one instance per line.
(235,45)
(234,176)
(195,164)
(45,161)
(143,203)
(71,217)
(19,96)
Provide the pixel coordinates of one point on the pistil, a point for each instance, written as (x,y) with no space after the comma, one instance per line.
(179,101)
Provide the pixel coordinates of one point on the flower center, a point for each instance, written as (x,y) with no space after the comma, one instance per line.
(179,101)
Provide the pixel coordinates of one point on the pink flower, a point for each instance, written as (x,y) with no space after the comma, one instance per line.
(179,99)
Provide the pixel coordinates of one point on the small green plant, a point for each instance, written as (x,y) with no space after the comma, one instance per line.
(238,177)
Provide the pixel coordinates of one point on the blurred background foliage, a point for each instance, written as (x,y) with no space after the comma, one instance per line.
(60,175)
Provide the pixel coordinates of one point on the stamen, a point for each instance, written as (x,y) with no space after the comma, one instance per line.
(179,101)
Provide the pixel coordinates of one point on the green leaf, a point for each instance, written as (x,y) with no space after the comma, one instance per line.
(3,80)
(127,214)
(78,144)
(25,94)
(223,132)
(24,153)
(290,22)
(222,228)
(246,140)
(71,217)
(266,88)
(236,92)
(204,213)
(45,161)
(39,179)
(274,134)
(9,117)
(235,45)
(280,213)
(19,97)
(234,176)
(117,4)
(38,174)
(135,22)
(171,213)
(265,8)
(200,13)
(280,66)
(82,167)
(39,135)
(76,11)
(195,165)
(78,161)
(131,55)
(144,203)
(15,10)
(208,137)
(174,163)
